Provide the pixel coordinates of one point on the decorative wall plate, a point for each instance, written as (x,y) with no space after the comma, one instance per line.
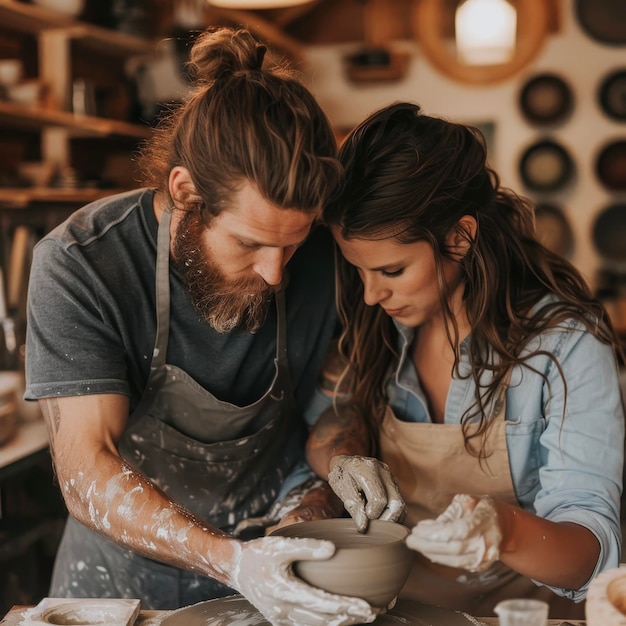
(609,232)
(546,166)
(612,95)
(611,165)
(546,99)
(603,20)
(553,229)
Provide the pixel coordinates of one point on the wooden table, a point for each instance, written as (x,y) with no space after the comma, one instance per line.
(154,618)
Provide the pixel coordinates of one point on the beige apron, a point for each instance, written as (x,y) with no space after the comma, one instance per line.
(432,465)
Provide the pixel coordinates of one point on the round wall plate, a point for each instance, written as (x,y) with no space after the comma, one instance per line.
(609,232)
(611,165)
(603,20)
(546,99)
(546,166)
(612,95)
(553,229)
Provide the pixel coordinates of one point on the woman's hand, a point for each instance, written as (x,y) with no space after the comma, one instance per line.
(263,574)
(367,488)
(466,535)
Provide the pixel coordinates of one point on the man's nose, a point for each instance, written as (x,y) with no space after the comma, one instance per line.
(270,264)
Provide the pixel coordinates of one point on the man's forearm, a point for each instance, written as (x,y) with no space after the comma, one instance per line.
(107,495)
(122,504)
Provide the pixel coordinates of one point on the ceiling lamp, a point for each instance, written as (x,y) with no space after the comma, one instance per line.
(485,31)
(255,4)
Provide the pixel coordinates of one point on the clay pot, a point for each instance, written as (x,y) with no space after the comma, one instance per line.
(373,566)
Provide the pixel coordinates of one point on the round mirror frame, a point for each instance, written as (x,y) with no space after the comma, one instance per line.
(532,28)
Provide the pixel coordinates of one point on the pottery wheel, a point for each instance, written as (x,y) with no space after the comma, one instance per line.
(237,611)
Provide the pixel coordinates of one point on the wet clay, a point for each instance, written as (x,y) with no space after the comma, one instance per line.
(237,611)
(373,565)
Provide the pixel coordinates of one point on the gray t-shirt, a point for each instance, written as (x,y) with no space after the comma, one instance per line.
(92,320)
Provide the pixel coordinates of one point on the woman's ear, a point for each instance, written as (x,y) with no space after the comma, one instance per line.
(462,235)
(181,186)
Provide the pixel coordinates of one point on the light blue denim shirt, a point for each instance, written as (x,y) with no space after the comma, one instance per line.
(563,469)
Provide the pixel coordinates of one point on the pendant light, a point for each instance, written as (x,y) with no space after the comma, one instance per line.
(255,4)
(485,31)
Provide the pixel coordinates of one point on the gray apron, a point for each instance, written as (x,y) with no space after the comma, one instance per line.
(222,462)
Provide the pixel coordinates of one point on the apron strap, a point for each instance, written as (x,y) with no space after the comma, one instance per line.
(281,335)
(162,291)
(162,286)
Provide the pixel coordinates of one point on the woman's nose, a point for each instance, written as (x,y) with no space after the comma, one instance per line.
(373,292)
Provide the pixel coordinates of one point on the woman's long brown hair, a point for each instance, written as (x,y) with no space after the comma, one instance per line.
(413,177)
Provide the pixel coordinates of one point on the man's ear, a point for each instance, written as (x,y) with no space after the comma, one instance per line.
(462,235)
(181,186)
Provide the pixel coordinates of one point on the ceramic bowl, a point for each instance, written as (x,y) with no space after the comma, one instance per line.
(26,92)
(68,7)
(373,566)
(10,71)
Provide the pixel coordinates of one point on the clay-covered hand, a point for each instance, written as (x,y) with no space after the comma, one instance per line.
(264,576)
(466,535)
(367,488)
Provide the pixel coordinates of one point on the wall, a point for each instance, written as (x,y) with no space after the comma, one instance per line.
(572,54)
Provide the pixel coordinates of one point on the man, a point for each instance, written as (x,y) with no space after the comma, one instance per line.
(173,388)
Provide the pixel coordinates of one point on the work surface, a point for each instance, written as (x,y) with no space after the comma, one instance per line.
(198,615)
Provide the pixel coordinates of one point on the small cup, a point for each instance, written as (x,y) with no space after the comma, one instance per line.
(10,71)
(522,612)
(26,92)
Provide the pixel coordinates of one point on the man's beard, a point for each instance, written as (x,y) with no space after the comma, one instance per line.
(224,304)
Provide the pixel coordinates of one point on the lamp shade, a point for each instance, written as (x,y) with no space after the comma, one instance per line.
(485,31)
(255,4)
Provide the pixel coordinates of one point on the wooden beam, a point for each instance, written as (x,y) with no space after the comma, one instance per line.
(266,30)
(290,14)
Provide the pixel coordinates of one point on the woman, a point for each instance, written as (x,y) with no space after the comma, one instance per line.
(483,366)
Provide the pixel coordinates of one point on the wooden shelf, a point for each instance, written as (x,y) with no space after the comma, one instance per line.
(60,40)
(19,116)
(21,198)
(32,19)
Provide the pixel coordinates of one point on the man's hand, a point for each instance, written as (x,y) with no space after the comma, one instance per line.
(466,535)
(367,488)
(263,574)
